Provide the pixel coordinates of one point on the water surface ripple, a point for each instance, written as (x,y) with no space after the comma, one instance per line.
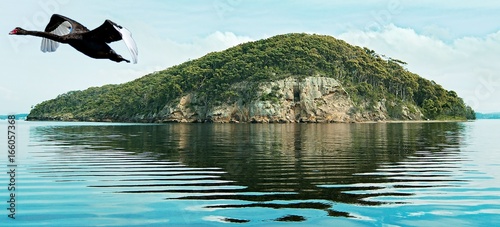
(401,174)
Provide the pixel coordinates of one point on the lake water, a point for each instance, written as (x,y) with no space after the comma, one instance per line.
(394,174)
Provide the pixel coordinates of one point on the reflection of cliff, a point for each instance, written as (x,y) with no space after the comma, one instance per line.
(262,155)
(288,162)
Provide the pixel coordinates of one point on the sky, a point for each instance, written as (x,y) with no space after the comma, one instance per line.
(454,43)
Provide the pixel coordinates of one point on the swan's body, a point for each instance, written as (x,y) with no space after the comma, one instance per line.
(92,43)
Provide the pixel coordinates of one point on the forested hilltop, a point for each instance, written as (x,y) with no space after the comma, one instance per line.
(285,78)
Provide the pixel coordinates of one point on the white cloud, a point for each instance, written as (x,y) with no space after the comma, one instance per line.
(6,94)
(222,40)
(216,41)
(467,65)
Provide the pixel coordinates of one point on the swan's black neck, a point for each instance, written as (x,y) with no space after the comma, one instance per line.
(47,35)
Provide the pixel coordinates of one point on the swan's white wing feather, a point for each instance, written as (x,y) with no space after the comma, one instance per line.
(50,45)
(129,41)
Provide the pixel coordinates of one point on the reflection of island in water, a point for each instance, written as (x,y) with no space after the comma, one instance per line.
(312,166)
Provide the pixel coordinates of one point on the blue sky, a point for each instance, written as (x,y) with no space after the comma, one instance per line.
(455,43)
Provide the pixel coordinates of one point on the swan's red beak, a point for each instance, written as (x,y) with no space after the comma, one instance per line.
(13,32)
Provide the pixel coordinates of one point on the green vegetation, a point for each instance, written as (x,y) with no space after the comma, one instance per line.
(365,75)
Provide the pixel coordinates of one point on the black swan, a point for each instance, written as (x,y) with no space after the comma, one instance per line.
(92,43)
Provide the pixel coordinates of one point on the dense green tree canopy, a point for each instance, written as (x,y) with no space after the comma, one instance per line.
(366,76)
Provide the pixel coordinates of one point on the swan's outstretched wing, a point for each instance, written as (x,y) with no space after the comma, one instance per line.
(129,42)
(60,25)
(109,32)
(49,45)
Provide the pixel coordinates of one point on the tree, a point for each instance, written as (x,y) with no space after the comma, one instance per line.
(430,109)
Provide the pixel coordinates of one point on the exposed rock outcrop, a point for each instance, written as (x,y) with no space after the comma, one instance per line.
(312,99)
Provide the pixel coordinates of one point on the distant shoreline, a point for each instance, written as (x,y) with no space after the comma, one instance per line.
(415,121)
(21,116)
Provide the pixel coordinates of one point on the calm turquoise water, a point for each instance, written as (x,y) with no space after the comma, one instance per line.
(96,174)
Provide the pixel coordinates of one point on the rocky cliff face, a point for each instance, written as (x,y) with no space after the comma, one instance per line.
(313,99)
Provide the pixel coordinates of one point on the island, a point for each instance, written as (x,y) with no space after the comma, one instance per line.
(287,78)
